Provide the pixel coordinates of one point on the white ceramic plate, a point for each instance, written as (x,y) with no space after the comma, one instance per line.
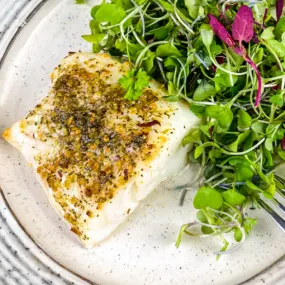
(141,251)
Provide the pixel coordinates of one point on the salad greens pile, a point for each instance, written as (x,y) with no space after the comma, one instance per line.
(226,59)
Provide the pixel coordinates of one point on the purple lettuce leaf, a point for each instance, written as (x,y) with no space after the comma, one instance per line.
(221,31)
(242,27)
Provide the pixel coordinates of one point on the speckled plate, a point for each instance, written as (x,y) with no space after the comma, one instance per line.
(141,251)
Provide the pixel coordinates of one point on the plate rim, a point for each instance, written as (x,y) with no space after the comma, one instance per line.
(7,47)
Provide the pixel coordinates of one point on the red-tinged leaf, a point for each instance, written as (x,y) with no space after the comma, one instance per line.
(279,8)
(221,31)
(259,81)
(242,27)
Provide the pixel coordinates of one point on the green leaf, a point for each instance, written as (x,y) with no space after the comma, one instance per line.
(277,47)
(277,100)
(201,217)
(95,27)
(206,230)
(248,224)
(205,130)
(120,45)
(204,91)
(193,137)
(233,198)
(193,7)
(244,119)
(280,28)
(208,197)
(207,37)
(168,7)
(268,158)
(237,234)
(281,153)
(166,50)
(222,114)
(163,32)
(112,13)
(198,110)
(134,84)
(241,137)
(148,61)
(269,144)
(223,80)
(95,39)
(170,63)
(267,34)
(258,127)
(199,149)
(80,2)
(252,186)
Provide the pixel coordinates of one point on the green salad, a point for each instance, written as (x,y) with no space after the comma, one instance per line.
(227,60)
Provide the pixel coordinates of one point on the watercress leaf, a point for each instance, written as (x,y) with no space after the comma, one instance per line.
(206,130)
(110,13)
(168,49)
(161,33)
(267,34)
(168,7)
(237,234)
(280,28)
(241,137)
(193,7)
(193,137)
(268,157)
(248,224)
(277,47)
(95,39)
(204,91)
(271,185)
(80,1)
(222,114)
(206,230)
(120,45)
(252,186)
(215,49)
(95,27)
(198,110)
(148,61)
(243,172)
(242,27)
(201,217)
(207,37)
(258,127)
(208,197)
(281,153)
(199,149)
(244,119)
(170,63)
(277,100)
(223,80)
(233,198)
(268,144)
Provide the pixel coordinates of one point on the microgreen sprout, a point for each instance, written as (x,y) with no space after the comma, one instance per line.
(226,60)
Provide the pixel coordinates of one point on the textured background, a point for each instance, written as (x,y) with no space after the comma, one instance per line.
(21,261)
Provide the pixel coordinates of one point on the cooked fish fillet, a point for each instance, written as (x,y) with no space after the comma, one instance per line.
(97,154)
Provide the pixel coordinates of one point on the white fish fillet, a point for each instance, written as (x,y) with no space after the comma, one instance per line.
(97,154)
